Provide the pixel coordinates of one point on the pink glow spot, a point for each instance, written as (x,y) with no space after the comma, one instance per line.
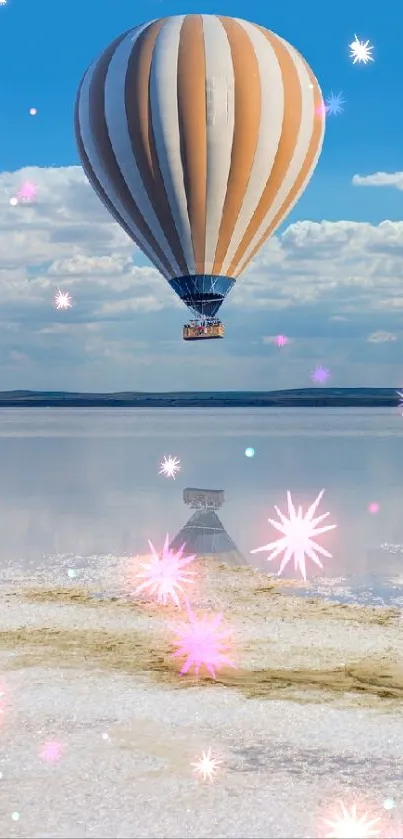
(203,642)
(27,191)
(349,825)
(51,751)
(373,507)
(322,110)
(281,340)
(33,112)
(320,374)
(2,703)
(164,575)
(393,830)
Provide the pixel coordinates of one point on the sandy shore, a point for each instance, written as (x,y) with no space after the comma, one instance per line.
(311,714)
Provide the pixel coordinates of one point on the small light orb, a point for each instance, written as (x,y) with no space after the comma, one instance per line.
(33,112)
(72,573)
(373,507)
(249,452)
(389,804)
(13,202)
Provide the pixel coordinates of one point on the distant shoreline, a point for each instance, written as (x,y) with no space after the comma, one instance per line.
(297,398)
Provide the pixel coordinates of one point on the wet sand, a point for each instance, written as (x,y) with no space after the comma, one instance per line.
(312,713)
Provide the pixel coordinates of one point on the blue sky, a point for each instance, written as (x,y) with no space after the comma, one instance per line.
(43,56)
(44,52)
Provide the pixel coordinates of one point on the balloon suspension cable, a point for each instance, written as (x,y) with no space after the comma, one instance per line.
(203,320)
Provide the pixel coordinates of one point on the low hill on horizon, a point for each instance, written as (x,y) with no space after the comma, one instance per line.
(364,397)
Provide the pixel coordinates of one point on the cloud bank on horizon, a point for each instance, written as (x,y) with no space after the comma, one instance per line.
(333,288)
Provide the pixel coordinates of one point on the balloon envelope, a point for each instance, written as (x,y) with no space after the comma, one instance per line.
(199,133)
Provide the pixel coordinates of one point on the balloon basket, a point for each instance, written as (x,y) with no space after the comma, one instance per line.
(199,331)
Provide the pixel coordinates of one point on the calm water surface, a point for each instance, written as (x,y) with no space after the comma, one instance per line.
(82,482)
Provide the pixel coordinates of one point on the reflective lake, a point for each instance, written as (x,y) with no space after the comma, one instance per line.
(77,483)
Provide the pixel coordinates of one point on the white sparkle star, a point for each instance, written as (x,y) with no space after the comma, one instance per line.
(206,766)
(170,466)
(298,533)
(62,300)
(400,395)
(360,51)
(351,827)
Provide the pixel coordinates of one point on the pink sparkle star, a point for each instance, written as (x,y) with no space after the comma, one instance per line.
(203,642)
(350,826)
(27,191)
(320,374)
(164,575)
(281,340)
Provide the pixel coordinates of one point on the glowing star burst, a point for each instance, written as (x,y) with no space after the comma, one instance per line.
(297,540)
(170,466)
(400,395)
(350,826)
(206,766)
(281,340)
(334,104)
(62,300)
(27,191)
(361,51)
(163,576)
(320,374)
(203,642)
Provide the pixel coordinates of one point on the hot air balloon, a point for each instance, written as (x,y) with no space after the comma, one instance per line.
(199,133)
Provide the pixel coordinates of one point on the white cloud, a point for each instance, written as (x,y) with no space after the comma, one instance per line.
(327,286)
(380,179)
(381,337)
